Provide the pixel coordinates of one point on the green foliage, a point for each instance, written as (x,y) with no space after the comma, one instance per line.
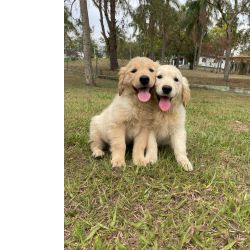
(198,16)
(160,30)
(70,34)
(164,30)
(73,40)
(214,43)
(69,25)
(244,38)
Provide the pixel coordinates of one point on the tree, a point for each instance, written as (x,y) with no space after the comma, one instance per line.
(107,8)
(70,30)
(68,24)
(197,19)
(167,18)
(215,42)
(153,19)
(230,11)
(86,43)
(244,41)
(145,22)
(180,43)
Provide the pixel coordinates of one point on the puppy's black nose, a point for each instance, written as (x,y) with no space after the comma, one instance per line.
(166,89)
(144,80)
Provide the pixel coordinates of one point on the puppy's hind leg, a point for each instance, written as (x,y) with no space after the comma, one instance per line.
(96,143)
(96,148)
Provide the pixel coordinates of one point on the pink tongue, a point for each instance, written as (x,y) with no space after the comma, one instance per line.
(144,95)
(164,103)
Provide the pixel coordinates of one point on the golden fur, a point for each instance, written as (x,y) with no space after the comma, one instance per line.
(169,126)
(126,117)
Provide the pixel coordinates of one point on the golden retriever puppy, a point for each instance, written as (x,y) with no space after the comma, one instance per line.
(128,116)
(173,94)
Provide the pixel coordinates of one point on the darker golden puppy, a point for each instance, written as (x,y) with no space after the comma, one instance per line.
(129,116)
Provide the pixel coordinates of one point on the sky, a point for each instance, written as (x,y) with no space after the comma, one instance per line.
(94,17)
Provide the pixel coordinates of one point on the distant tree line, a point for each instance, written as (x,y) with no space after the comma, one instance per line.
(163,29)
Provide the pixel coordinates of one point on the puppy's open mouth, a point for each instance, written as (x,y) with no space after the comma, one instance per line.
(143,94)
(164,102)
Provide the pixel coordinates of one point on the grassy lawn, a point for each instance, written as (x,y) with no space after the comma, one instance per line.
(159,206)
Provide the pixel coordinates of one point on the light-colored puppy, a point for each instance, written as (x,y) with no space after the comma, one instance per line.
(173,94)
(128,116)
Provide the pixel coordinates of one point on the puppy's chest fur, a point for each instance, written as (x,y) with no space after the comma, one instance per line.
(165,124)
(140,115)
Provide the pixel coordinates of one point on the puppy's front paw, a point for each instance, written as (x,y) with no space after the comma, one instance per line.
(185,163)
(98,153)
(187,166)
(140,161)
(151,159)
(117,163)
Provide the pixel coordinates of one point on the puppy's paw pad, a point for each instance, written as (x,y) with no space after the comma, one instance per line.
(98,153)
(117,163)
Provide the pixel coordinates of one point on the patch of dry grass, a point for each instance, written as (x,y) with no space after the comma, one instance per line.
(199,76)
(207,77)
(239,126)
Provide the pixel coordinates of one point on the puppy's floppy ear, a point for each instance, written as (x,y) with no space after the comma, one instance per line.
(121,84)
(185,91)
(157,63)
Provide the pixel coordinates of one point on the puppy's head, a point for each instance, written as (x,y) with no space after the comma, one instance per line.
(138,77)
(171,87)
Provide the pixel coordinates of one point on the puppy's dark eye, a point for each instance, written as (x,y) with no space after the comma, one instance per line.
(151,70)
(159,76)
(133,71)
(176,79)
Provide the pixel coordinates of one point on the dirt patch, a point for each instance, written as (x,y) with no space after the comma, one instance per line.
(239,126)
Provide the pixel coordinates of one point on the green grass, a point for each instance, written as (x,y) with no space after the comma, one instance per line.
(159,206)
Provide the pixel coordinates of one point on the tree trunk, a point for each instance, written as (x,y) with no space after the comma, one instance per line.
(199,48)
(195,55)
(191,66)
(243,68)
(112,39)
(228,52)
(227,64)
(86,43)
(177,61)
(164,44)
(113,53)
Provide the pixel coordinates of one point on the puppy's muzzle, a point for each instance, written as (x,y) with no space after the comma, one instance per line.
(166,89)
(144,80)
